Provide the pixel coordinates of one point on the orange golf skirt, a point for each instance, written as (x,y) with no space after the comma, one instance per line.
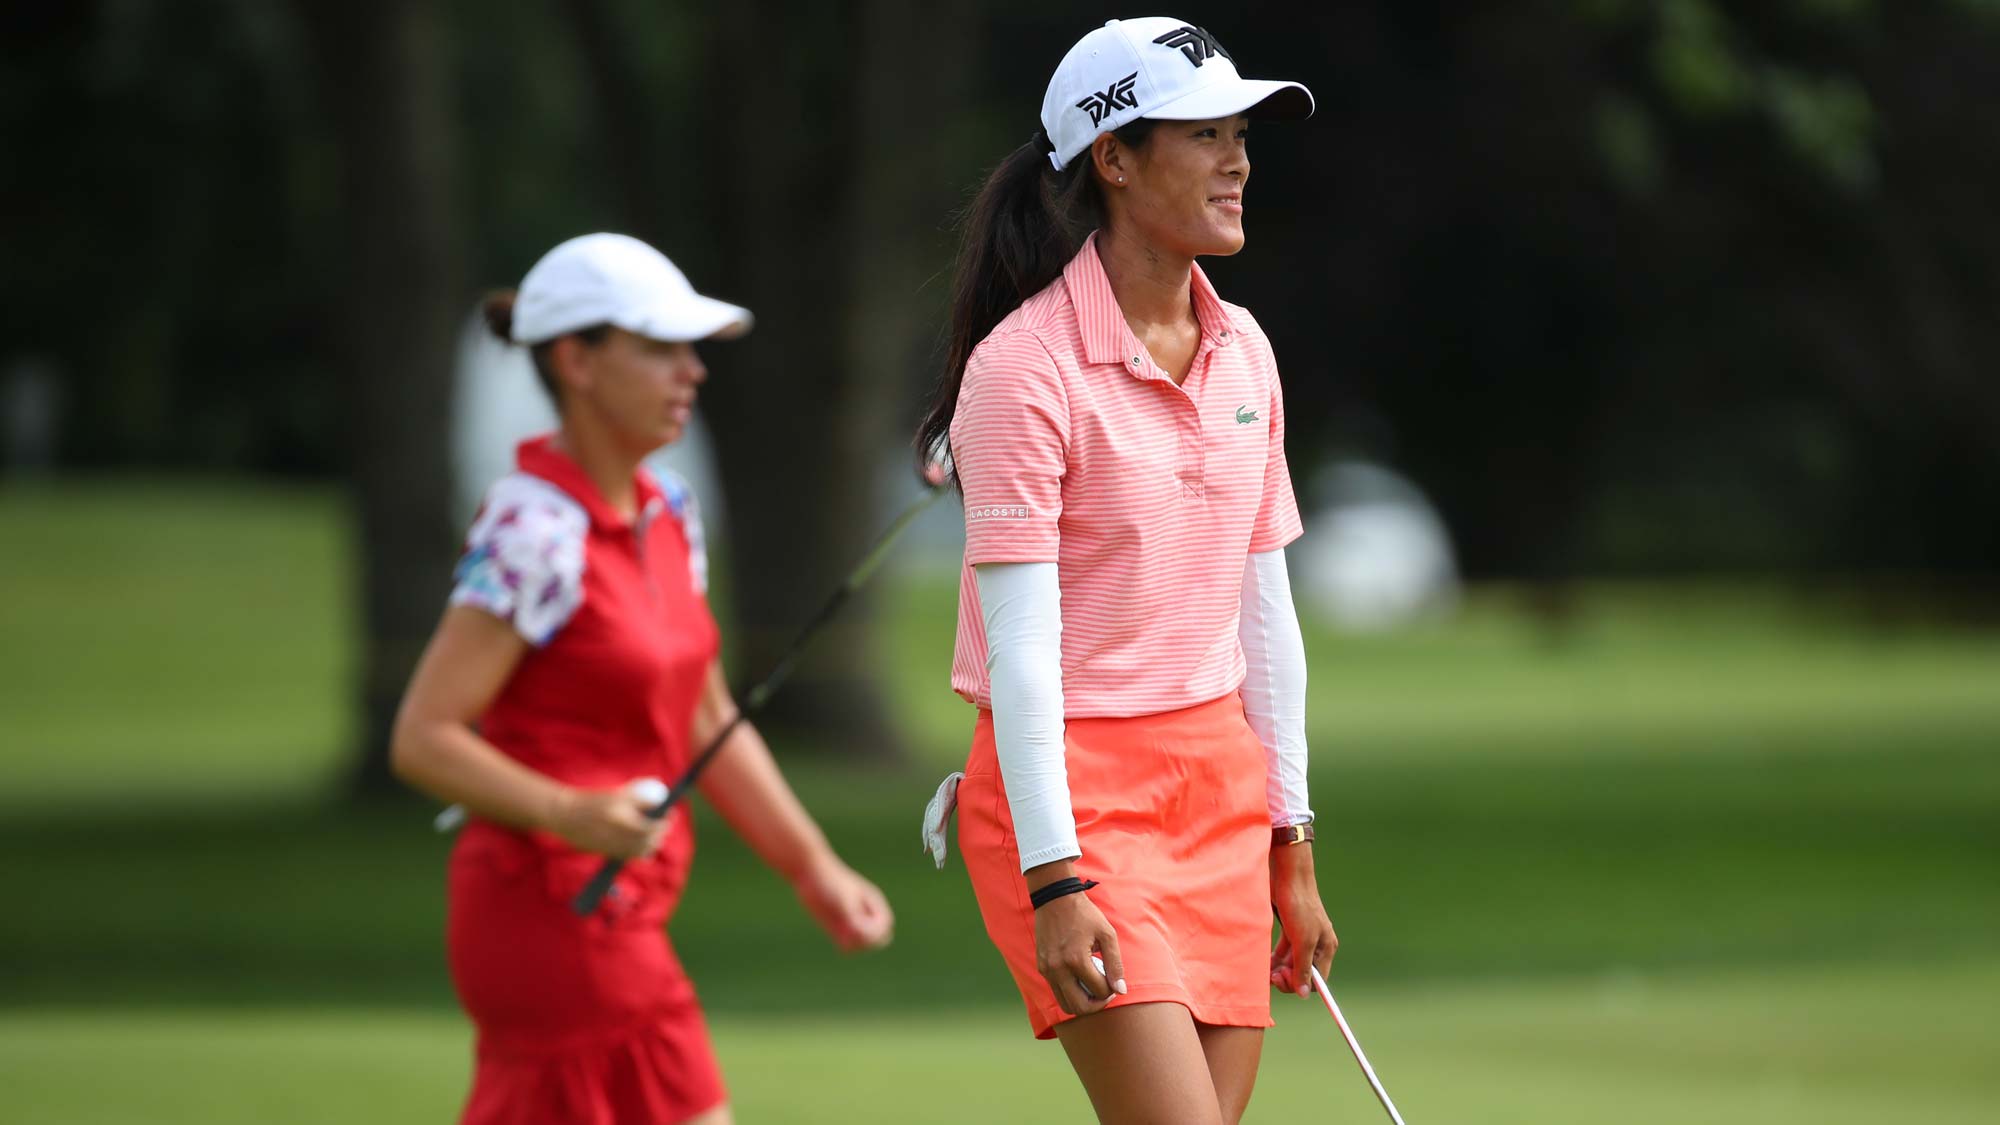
(1172,821)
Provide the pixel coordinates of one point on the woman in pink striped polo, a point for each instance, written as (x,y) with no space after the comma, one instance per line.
(1136,790)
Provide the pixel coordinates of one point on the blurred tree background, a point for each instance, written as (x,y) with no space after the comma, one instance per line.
(1680,312)
(1629,287)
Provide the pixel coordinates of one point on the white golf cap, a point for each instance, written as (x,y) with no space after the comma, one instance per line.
(1153,67)
(618,280)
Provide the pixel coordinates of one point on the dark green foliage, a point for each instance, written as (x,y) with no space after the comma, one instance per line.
(1627,286)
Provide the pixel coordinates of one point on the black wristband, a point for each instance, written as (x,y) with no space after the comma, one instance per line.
(1058,889)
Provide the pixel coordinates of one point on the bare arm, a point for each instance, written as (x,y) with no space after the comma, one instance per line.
(434,748)
(746,787)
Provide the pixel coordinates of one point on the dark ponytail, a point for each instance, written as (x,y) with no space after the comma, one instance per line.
(1023,227)
(498,312)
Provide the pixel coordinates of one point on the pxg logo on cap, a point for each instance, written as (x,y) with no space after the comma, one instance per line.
(1154,67)
(1198,45)
(1114,98)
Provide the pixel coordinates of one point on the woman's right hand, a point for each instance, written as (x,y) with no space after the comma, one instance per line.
(1068,931)
(610,822)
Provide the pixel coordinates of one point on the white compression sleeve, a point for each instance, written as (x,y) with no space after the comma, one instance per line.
(1022,607)
(1274,684)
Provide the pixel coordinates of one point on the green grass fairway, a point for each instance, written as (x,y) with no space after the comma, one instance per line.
(194,642)
(180,642)
(1805,1047)
(1702,854)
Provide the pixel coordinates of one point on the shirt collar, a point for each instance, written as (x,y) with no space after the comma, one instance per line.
(538,456)
(1106,336)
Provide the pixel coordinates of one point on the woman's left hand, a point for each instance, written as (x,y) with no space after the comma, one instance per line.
(852,910)
(1308,940)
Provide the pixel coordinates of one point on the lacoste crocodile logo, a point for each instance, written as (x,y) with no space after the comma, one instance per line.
(1245,415)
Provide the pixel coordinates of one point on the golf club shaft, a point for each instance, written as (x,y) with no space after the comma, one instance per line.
(594,891)
(1354,1045)
(754,700)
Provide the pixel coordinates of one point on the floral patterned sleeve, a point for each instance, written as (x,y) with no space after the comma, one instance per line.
(682,503)
(523,560)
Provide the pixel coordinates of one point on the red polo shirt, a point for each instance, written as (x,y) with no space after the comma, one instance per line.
(617,611)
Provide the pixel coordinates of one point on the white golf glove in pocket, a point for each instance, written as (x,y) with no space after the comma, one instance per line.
(937,817)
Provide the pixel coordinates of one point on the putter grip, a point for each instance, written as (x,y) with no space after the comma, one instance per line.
(594,891)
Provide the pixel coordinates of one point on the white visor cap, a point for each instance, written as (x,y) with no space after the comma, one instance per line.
(618,280)
(1156,67)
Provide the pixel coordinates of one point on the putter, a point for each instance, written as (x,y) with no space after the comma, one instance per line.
(1354,1045)
(754,700)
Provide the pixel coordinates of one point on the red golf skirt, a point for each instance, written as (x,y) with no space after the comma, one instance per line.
(1172,820)
(581,1021)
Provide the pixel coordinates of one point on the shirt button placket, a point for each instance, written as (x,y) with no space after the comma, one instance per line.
(1190,443)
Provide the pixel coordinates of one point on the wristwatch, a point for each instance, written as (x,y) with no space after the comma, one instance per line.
(1291,834)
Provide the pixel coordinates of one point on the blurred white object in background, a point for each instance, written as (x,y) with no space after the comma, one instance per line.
(498,401)
(31,402)
(1375,555)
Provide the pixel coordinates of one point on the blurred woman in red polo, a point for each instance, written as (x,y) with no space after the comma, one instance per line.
(578,655)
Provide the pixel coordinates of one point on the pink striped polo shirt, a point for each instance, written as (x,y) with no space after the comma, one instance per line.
(1073,447)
